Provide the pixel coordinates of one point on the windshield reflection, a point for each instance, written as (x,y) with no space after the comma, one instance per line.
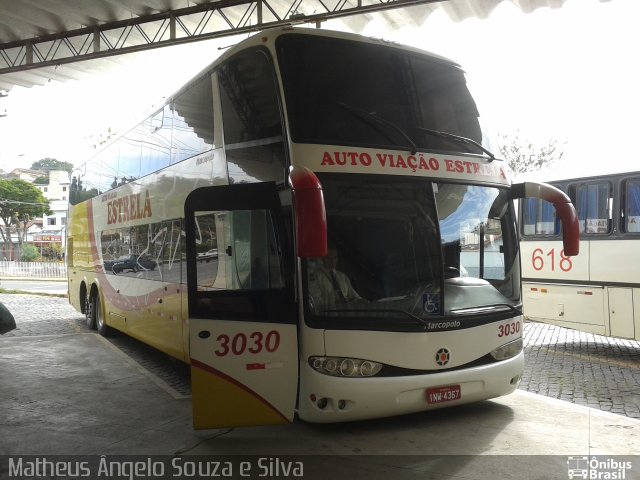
(403,252)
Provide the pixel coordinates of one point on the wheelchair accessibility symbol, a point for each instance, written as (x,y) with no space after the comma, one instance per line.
(431,302)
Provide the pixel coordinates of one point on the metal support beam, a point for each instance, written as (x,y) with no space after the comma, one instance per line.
(96,40)
(201,22)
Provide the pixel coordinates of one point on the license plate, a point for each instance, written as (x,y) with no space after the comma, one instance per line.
(443,394)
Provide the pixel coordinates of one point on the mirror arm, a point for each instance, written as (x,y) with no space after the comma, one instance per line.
(564,209)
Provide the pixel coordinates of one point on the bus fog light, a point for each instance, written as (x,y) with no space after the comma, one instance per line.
(345,367)
(507,350)
(341,404)
(322,403)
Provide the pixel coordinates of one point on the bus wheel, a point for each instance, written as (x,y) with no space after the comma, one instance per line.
(88,308)
(98,315)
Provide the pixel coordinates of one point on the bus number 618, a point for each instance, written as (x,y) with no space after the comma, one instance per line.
(538,260)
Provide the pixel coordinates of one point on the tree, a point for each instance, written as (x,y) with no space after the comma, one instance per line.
(53,251)
(523,155)
(48,164)
(20,203)
(29,253)
(43,180)
(78,193)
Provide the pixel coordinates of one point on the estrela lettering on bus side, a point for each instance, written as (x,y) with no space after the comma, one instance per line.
(129,207)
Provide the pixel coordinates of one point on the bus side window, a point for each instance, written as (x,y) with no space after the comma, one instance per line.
(593,204)
(172,251)
(254,143)
(193,121)
(210,273)
(112,246)
(244,256)
(255,252)
(155,151)
(632,206)
(539,218)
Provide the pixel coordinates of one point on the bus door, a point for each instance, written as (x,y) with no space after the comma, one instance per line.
(242,317)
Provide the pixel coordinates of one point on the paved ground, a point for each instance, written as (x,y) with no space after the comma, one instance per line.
(582,368)
(585,369)
(50,315)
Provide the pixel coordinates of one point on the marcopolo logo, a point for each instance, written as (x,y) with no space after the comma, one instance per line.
(443,356)
(598,468)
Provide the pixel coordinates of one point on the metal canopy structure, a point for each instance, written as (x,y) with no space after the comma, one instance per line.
(37,37)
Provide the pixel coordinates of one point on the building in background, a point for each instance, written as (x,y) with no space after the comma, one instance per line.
(54,226)
(25,174)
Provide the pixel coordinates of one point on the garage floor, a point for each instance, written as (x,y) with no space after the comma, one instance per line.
(78,394)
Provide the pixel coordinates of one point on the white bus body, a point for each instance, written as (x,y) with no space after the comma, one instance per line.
(599,290)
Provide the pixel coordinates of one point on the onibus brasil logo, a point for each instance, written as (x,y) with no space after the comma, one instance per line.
(598,468)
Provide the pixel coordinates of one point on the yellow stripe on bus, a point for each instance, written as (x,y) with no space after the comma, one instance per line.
(213,394)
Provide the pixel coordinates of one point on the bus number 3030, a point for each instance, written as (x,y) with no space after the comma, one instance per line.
(253,343)
(507,329)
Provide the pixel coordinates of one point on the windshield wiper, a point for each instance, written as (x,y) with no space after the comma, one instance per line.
(374,120)
(487,309)
(457,139)
(418,320)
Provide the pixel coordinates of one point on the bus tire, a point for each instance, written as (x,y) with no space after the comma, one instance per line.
(98,315)
(88,308)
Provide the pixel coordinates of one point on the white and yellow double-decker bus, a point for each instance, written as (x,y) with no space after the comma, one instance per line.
(317,226)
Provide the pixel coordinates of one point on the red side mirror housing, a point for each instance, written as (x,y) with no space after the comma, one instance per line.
(564,209)
(310,213)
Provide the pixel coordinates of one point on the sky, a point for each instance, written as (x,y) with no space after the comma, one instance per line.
(570,75)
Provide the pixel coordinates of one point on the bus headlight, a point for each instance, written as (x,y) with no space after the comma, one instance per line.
(507,350)
(345,367)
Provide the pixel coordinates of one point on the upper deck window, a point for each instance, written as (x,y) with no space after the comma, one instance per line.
(254,144)
(179,130)
(344,92)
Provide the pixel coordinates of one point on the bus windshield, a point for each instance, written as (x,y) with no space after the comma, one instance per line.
(342,92)
(404,252)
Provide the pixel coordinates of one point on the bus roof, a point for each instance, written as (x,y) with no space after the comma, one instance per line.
(266,37)
(269,36)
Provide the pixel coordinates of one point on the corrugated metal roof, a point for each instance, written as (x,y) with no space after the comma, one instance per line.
(29,19)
